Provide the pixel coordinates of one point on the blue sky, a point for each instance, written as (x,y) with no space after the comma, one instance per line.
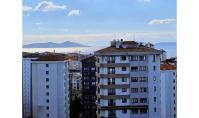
(97,22)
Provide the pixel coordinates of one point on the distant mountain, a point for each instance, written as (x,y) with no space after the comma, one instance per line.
(54,45)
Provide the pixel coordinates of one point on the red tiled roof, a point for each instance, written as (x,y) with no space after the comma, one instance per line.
(167,67)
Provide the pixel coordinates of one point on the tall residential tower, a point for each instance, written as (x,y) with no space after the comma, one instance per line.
(128,81)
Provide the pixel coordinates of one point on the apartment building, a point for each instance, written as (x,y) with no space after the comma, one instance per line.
(89,87)
(128,81)
(168,90)
(27,83)
(75,77)
(50,87)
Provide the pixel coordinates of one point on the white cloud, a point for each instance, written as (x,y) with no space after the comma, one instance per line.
(147,0)
(46,6)
(27,8)
(161,21)
(38,23)
(74,13)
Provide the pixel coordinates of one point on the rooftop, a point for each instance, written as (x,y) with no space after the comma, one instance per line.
(167,67)
(128,46)
(51,57)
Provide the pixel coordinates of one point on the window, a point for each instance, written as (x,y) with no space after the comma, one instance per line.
(174,94)
(154,58)
(174,80)
(143,79)
(142,68)
(111,59)
(134,79)
(124,100)
(174,101)
(111,81)
(134,90)
(124,89)
(155,109)
(174,108)
(154,88)
(174,87)
(123,68)
(142,58)
(47,101)
(47,72)
(124,111)
(47,93)
(124,79)
(111,70)
(134,111)
(143,111)
(134,68)
(174,115)
(47,107)
(123,58)
(134,58)
(143,90)
(143,100)
(154,68)
(47,79)
(46,65)
(135,100)
(174,73)
(47,115)
(154,78)
(154,99)
(47,86)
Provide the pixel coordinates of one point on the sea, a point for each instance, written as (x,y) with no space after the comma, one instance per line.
(171,50)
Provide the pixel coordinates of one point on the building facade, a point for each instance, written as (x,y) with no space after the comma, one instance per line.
(27,83)
(75,77)
(169,91)
(50,88)
(128,81)
(89,87)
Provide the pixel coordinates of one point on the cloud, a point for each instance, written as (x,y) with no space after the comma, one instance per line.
(103,39)
(38,23)
(27,8)
(46,6)
(161,21)
(147,0)
(74,13)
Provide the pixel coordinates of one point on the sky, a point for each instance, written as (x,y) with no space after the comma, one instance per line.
(97,22)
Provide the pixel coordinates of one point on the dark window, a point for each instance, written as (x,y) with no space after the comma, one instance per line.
(174,88)
(47,107)
(124,100)
(143,90)
(134,68)
(134,58)
(174,108)
(142,58)
(47,101)
(134,90)
(47,93)
(46,65)
(123,68)
(135,100)
(174,81)
(123,58)
(134,111)
(124,79)
(111,70)
(47,115)
(111,59)
(154,99)
(154,58)
(47,72)
(154,109)
(143,111)
(154,88)
(47,79)
(143,100)
(154,68)
(134,79)
(124,111)
(174,101)
(124,89)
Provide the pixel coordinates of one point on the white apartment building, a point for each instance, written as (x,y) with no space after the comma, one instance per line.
(50,88)
(26,74)
(168,91)
(128,81)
